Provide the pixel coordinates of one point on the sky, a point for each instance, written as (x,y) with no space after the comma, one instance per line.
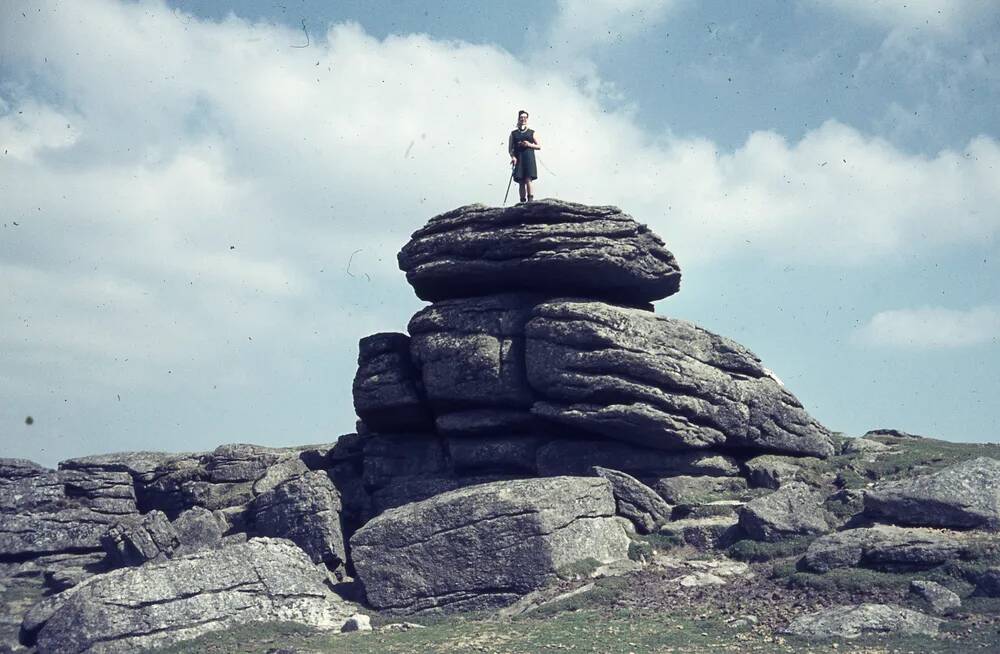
(201,203)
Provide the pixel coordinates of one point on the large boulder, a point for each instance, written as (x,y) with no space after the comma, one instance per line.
(636,501)
(863,620)
(549,246)
(793,510)
(484,546)
(659,382)
(963,495)
(388,393)
(696,490)
(162,603)
(470,353)
(886,546)
(139,540)
(305,510)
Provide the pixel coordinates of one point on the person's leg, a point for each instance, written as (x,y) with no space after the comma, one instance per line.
(521,189)
(527,188)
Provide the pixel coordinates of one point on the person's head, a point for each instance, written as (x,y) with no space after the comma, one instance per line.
(522,117)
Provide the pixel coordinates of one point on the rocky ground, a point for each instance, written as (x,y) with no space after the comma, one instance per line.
(542,463)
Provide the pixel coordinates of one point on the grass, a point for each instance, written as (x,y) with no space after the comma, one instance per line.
(912,457)
(756,551)
(610,631)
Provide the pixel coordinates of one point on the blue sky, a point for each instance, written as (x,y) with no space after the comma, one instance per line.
(207,214)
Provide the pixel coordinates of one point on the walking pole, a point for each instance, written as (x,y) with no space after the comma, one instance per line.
(509,181)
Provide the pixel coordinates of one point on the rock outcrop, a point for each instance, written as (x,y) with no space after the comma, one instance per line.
(886,546)
(162,603)
(852,622)
(484,546)
(549,246)
(964,495)
(793,510)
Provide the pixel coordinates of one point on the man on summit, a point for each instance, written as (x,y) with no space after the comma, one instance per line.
(522,145)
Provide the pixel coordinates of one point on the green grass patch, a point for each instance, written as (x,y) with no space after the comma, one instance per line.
(756,551)
(855,580)
(661,541)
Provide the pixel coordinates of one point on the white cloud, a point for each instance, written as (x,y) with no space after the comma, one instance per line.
(214,183)
(936,16)
(582,24)
(933,327)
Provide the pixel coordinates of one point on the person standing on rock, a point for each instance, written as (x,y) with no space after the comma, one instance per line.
(522,145)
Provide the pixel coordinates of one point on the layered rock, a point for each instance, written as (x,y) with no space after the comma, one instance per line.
(550,246)
(886,546)
(388,392)
(161,603)
(485,546)
(660,382)
(470,353)
(964,495)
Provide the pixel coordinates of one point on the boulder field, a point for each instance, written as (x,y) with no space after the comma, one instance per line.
(538,418)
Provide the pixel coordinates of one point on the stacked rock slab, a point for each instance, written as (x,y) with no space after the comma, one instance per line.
(540,338)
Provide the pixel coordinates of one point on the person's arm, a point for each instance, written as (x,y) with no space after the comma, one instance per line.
(510,149)
(531,145)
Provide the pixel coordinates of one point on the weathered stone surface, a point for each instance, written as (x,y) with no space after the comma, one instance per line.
(963,495)
(862,620)
(502,454)
(388,456)
(470,353)
(793,510)
(700,490)
(939,598)
(484,546)
(240,462)
(771,471)
(139,540)
(636,501)
(576,457)
(549,246)
(67,530)
(305,510)
(288,467)
(161,603)
(104,491)
(388,392)
(11,469)
(659,382)
(41,491)
(164,487)
(405,490)
(199,529)
(215,496)
(884,546)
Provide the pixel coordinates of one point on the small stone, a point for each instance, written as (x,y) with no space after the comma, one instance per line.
(357,622)
(940,599)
